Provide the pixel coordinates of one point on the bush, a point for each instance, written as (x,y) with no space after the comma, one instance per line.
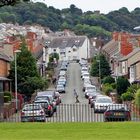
(122,85)
(108,80)
(137,98)
(113,85)
(128,96)
(7,93)
(107,88)
(7,99)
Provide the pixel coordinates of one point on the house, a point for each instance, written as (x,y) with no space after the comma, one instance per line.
(68,47)
(130,65)
(121,45)
(4,72)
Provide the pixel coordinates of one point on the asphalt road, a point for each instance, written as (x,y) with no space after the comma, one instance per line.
(73,82)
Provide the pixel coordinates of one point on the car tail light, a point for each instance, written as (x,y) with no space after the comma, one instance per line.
(107,113)
(49,107)
(128,114)
(22,113)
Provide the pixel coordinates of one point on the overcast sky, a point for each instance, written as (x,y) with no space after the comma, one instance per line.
(104,6)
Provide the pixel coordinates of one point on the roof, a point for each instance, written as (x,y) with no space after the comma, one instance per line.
(63,42)
(4,57)
(111,47)
(136,50)
(4,79)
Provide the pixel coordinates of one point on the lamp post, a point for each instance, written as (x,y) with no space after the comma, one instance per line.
(99,73)
(17,51)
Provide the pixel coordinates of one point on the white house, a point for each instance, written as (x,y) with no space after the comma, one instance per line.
(69,48)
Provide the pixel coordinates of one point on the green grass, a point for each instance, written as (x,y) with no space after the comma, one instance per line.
(70,131)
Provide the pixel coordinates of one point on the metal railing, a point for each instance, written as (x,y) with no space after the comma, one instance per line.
(80,113)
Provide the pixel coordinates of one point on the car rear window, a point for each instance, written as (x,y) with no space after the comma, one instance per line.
(104,100)
(31,108)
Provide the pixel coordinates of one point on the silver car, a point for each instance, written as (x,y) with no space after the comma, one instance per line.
(32,113)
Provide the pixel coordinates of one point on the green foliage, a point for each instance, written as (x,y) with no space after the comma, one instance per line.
(7,93)
(87,23)
(53,56)
(28,79)
(107,88)
(137,98)
(7,99)
(11,2)
(133,88)
(108,80)
(104,67)
(122,85)
(127,96)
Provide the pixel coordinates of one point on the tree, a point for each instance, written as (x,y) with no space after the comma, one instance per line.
(100,65)
(28,79)
(11,2)
(122,85)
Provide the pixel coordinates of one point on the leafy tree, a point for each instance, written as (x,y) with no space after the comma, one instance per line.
(11,2)
(100,65)
(122,85)
(28,79)
(53,56)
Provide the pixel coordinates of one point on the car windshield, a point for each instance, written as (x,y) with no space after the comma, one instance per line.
(104,100)
(43,104)
(31,107)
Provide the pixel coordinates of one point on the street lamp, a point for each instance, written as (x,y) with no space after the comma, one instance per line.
(17,51)
(99,73)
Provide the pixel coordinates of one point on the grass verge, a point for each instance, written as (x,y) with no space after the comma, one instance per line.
(70,131)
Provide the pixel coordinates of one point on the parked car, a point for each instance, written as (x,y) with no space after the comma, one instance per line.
(117,112)
(46,105)
(60,89)
(47,95)
(32,113)
(101,103)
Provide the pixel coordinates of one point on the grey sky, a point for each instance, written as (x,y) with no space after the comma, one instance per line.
(104,6)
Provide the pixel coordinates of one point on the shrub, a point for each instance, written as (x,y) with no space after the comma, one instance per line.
(7,93)
(108,80)
(137,98)
(128,96)
(122,85)
(7,99)
(107,88)
(113,85)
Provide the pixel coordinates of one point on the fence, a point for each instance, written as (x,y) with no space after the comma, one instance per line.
(80,113)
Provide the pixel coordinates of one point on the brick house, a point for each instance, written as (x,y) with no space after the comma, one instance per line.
(4,72)
(130,65)
(121,45)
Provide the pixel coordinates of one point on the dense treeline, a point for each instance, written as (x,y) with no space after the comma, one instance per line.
(89,23)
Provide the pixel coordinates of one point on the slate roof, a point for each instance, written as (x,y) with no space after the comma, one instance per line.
(63,42)
(111,47)
(4,57)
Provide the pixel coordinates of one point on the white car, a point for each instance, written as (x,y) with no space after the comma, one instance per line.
(85,76)
(101,103)
(60,89)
